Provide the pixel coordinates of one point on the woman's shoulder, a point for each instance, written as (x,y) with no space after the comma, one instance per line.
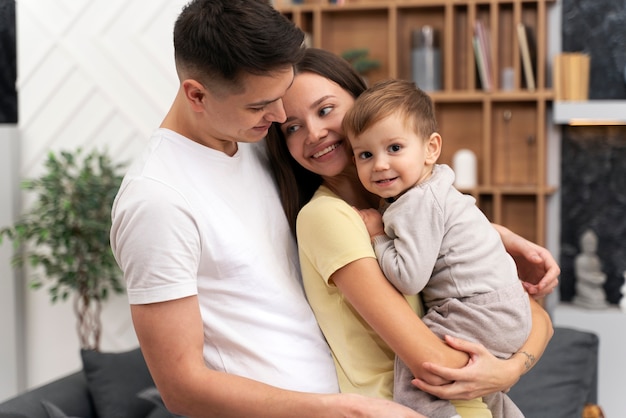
(327,210)
(327,224)
(324,198)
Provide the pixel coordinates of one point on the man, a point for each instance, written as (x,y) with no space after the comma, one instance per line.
(198,229)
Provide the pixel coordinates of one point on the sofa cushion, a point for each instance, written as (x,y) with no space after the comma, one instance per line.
(54,411)
(152,394)
(114,380)
(564,379)
(69,393)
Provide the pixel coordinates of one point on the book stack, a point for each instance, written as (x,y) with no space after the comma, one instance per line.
(571,76)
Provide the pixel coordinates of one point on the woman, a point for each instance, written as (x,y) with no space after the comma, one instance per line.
(357,309)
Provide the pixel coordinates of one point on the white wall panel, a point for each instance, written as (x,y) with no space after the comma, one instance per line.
(91,73)
(11,361)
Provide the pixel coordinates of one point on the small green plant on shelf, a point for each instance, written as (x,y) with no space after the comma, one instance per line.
(64,236)
(360,60)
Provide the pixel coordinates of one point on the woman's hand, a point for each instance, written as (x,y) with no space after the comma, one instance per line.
(483,374)
(536,267)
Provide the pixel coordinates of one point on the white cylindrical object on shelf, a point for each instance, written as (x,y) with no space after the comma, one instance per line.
(465,169)
(507,79)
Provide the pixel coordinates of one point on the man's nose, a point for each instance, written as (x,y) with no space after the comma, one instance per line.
(276,112)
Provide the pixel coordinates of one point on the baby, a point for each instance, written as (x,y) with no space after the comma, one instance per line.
(433,239)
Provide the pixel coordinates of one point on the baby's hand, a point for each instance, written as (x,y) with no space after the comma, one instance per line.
(373,221)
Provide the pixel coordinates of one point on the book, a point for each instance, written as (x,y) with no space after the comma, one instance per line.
(480,63)
(482,42)
(528,52)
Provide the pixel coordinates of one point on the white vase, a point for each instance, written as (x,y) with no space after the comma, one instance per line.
(465,169)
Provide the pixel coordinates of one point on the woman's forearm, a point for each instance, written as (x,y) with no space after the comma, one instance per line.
(486,373)
(392,318)
(540,334)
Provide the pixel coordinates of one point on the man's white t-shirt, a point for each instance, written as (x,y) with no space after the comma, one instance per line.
(192,220)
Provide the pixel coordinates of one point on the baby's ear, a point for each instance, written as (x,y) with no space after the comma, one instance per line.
(433,148)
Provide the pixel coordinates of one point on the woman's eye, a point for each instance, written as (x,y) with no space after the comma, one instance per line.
(325,110)
(291,129)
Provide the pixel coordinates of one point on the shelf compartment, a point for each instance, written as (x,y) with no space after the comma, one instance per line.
(506,48)
(412,18)
(461,126)
(514,150)
(339,29)
(519,214)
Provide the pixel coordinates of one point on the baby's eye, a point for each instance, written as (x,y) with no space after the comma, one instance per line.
(395,147)
(365,155)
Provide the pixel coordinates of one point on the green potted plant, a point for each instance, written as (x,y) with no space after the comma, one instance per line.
(64,236)
(360,60)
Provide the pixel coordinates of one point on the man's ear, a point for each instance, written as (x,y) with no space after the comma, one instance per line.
(433,148)
(195,94)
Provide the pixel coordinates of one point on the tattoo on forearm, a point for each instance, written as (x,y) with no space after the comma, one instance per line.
(530,359)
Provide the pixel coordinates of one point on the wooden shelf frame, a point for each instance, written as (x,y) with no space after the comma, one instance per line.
(512,164)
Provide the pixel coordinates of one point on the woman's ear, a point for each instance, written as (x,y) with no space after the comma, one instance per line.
(433,148)
(195,94)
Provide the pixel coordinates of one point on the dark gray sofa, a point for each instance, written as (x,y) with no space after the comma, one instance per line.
(119,385)
(69,393)
(115,385)
(564,380)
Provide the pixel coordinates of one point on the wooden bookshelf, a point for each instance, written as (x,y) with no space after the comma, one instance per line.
(507,130)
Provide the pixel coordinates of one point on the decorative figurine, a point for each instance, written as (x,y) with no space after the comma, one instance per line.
(589,275)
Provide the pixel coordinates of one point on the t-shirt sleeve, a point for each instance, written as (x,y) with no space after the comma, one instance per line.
(331,234)
(155,241)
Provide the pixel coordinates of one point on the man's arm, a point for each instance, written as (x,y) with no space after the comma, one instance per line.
(171,338)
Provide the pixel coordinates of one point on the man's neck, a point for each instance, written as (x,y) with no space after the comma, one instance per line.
(183,123)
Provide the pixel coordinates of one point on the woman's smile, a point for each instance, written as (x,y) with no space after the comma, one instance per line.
(325,151)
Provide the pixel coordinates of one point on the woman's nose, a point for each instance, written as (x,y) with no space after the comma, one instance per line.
(316,132)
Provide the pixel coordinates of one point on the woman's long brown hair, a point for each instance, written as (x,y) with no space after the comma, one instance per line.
(296,184)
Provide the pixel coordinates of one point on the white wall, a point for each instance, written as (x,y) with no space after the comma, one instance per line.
(96,73)
(11,363)
(608,325)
